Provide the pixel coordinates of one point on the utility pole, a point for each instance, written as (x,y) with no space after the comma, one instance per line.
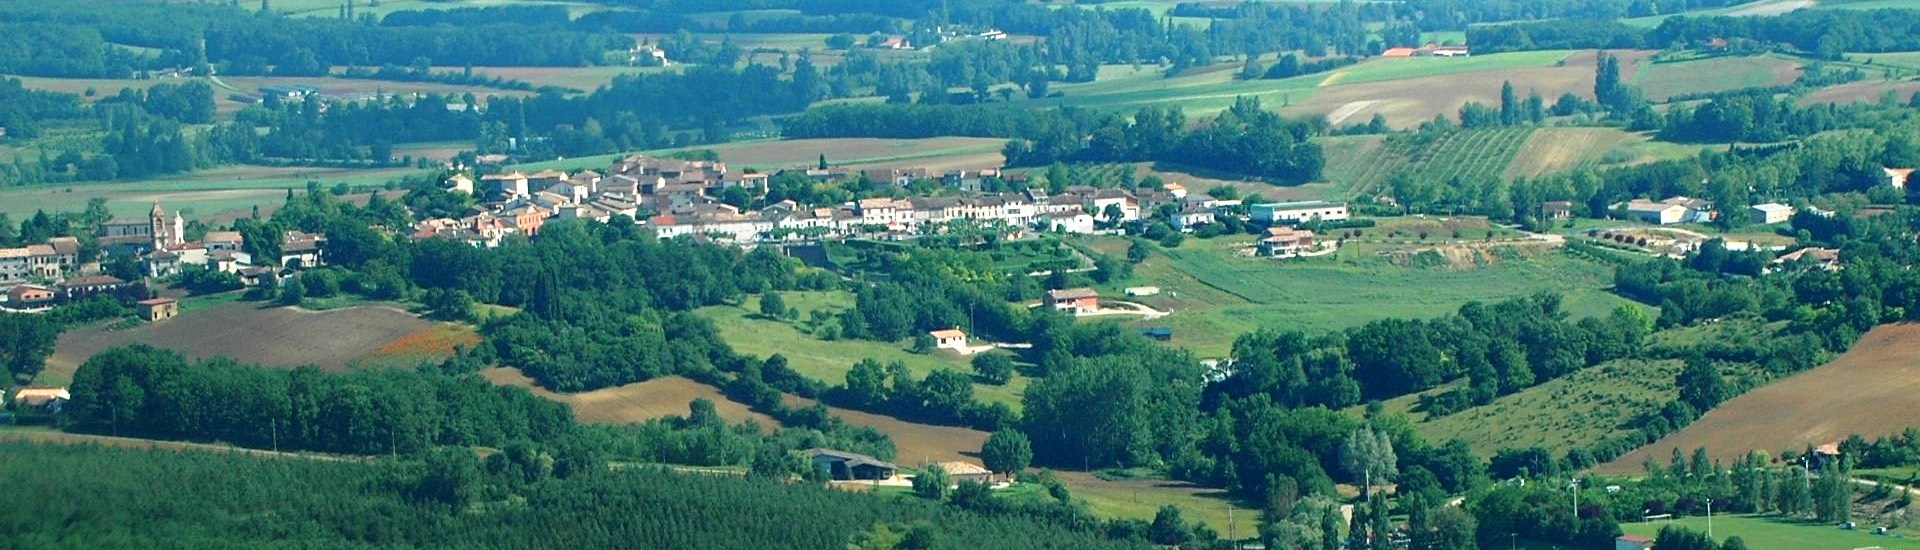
(1576,503)
(1709,518)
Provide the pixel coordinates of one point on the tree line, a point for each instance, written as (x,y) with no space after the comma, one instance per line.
(1826,34)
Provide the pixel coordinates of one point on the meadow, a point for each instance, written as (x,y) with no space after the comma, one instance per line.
(205,193)
(828,361)
(1579,410)
(1664,80)
(1216,294)
(1775,533)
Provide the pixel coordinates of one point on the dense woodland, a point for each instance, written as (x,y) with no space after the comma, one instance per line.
(1823,33)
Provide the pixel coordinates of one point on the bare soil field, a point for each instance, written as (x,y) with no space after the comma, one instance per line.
(1553,150)
(634,403)
(1861,91)
(1869,391)
(914,444)
(276,336)
(660,397)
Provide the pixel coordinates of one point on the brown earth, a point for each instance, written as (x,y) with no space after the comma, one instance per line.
(635,403)
(914,444)
(274,336)
(1855,92)
(1868,391)
(639,402)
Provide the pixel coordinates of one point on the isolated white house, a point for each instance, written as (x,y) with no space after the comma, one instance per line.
(951,339)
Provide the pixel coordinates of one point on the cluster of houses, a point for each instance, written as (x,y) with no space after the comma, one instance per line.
(1428,50)
(678,197)
(38,276)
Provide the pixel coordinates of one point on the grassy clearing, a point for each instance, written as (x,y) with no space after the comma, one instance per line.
(1199,92)
(1774,533)
(200,194)
(1382,70)
(1863,4)
(1663,80)
(1573,411)
(1142,498)
(1216,295)
(748,333)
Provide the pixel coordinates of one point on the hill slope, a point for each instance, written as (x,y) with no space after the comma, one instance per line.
(1869,390)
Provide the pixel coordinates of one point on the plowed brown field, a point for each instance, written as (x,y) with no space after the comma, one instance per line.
(1872,390)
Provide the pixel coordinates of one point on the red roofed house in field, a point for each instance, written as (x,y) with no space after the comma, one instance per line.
(1078,301)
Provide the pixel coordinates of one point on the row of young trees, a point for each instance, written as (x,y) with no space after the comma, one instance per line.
(451,498)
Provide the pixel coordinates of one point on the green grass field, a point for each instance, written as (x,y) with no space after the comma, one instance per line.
(1771,533)
(1864,4)
(1904,60)
(1382,70)
(1574,411)
(331,8)
(1199,91)
(1663,80)
(200,194)
(829,361)
(1216,295)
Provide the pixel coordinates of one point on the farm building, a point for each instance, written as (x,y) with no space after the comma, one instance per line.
(951,339)
(158,309)
(1283,241)
(1158,333)
(82,287)
(1398,52)
(303,247)
(966,471)
(1897,177)
(1670,211)
(1632,542)
(1143,291)
(1556,210)
(1077,301)
(1298,211)
(1770,213)
(47,399)
(845,466)
(459,182)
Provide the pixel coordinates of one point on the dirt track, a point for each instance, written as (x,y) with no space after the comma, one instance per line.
(1870,391)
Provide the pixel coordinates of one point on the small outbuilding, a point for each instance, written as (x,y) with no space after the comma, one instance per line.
(845,466)
(951,339)
(158,309)
(1158,333)
(41,399)
(1556,210)
(1770,213)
